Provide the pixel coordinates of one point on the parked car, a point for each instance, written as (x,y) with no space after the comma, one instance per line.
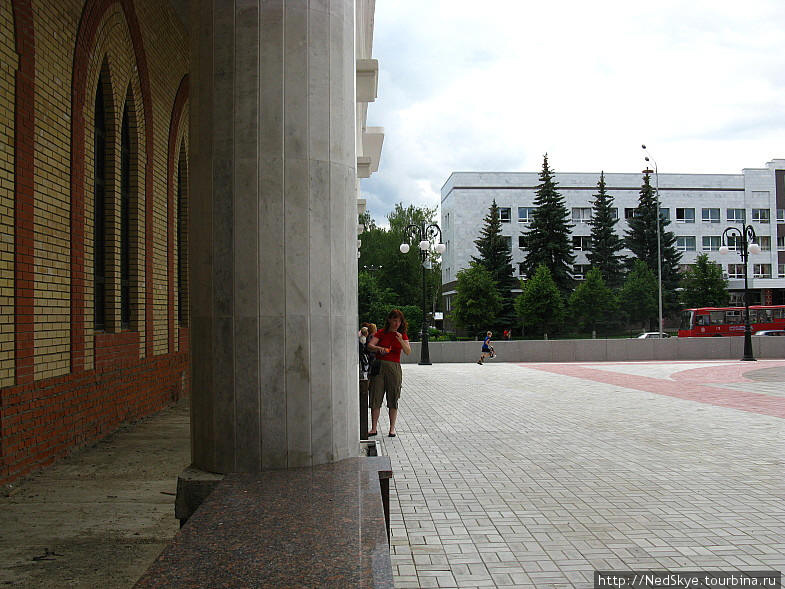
(770,332)
(652,335)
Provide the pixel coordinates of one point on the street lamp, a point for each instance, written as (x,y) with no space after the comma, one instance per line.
(424,233)
(659,247)
(748,246)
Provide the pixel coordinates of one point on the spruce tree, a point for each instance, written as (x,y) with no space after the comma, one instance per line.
(496,258)
(605,242)
(641,238)
(548,240)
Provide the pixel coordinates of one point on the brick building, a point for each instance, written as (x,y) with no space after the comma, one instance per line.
(95,158)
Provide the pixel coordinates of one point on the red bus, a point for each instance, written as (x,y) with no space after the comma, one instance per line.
(722,321)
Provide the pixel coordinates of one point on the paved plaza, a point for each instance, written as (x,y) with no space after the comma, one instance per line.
(505,475)
(535,475)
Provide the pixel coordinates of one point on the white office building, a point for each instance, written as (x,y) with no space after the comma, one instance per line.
(699,206)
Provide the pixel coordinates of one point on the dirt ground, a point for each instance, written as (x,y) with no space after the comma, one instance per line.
(101,516)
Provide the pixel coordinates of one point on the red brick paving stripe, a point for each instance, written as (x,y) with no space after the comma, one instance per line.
(682,387)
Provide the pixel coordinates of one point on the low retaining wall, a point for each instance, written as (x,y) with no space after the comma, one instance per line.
(604,350)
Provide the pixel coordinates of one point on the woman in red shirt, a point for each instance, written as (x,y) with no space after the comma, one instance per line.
(388,343)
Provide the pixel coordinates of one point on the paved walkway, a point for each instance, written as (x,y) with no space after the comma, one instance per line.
(505,475)
(535,475)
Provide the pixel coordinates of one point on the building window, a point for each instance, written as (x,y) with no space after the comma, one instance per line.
(685,243)
(761,216)
(736,215)
(665,214)
(761,270)
(685,215)
(447,303)
(125,222)
(629,213)
(734,243)
(684,267)
(182,224)
(711,243)
(780,215)
(504,214)
(764,241)
(614,213)
(581,242)
(521,273)
(99,211)
(579,271)
(780,270)
(525,214)
(735,270)
(780,243)
(521,243)
(581,214)
(507,242)
(710,215)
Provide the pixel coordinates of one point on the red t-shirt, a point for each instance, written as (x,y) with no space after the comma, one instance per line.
(388,340)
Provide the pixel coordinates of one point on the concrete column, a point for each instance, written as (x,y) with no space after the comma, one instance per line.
(273,234)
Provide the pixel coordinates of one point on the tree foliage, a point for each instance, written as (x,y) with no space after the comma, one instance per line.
(396,278)
(548,241)
(477,301)
(592,303)
(606,244)
(638,296)
(495,256)
(703,285)
(541,305)
(641,238)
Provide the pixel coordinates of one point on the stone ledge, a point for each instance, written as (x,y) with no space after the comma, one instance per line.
(315,526)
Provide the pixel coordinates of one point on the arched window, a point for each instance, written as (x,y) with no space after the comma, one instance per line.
(182,277)
(99,211)
(125,222)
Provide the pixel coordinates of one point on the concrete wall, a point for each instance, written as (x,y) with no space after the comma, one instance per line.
(604,350)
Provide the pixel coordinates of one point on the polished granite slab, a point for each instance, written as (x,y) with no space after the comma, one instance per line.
(321,526)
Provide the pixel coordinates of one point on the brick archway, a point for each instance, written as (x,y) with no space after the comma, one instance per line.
(92,16)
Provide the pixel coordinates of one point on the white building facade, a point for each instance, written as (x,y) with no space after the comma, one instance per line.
(699,206)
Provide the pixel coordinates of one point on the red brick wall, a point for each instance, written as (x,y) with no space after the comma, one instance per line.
(44,420)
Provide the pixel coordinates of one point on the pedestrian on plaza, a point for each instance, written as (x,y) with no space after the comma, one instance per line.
(507,334)
(387,344)
(365,367)
(487,348)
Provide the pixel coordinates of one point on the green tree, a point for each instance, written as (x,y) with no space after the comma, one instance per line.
(641,238)
(592,303)
(703,285)
(638,296)
(372,300)
(605,242)
(400,274)
(496,257)
(548,241)
(541,305)
(477,301)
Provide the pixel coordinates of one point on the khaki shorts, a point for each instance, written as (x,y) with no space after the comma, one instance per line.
(387,381)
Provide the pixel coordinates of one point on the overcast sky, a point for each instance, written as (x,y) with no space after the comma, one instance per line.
(470,85)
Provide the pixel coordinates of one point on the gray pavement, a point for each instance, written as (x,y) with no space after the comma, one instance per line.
(511,475)
(505,475)
(101,516)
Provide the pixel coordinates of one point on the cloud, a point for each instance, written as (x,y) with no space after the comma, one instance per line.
(493,88)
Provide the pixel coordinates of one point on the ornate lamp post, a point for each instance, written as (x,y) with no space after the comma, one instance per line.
(748,246)
(424,233)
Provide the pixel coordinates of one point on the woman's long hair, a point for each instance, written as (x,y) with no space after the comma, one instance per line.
(392,315)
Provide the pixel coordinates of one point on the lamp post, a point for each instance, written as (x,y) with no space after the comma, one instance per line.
(424,233)
(659,247)
(748,246)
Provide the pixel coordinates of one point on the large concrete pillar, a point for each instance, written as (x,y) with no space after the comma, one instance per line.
(273,234)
